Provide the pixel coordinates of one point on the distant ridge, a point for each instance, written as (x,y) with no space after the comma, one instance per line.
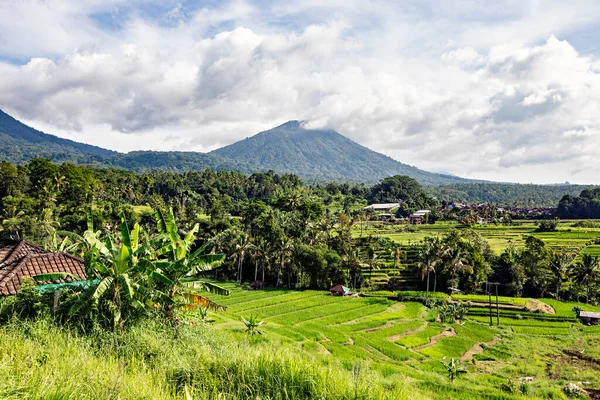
(20,143)
(312,154)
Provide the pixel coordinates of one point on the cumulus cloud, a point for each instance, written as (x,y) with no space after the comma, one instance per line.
(197,79)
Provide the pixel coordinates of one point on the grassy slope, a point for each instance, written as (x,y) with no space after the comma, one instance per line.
(386,335)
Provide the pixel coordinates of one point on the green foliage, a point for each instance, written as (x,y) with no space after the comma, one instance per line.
(504,194)
(451,312)
(453,368)
(253,325)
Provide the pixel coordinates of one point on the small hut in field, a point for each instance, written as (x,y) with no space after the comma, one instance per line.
(257,285)
(339,290)
(589,317)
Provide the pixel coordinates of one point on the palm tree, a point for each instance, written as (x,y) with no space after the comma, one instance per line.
(456,262)
(12,223)
(427,262)
(241,244)
(558,264)
(396,254)
(585,273)
(372,260)
(283,251)
(176,265)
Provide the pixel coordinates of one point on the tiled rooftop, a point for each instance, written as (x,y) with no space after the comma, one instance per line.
(21,259)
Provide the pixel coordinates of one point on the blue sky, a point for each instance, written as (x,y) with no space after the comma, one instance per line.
(505,90)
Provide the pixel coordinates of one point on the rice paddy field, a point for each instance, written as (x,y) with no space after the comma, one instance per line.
(498,236)
(401,342)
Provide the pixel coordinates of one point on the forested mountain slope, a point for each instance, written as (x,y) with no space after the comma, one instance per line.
(322,155)
(313,155)
(20,143)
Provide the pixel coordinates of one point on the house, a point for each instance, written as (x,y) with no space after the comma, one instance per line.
(339,290)
(382,207)
(419,217)
(20,260)
(257,285)
(588,317)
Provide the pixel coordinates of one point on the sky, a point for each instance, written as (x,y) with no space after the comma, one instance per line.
(498,90)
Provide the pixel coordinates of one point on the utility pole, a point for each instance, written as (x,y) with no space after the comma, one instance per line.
(487,285)
(488,289)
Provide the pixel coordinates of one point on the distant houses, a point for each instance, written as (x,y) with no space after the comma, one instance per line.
(588,317)
(339,290)
(21,260)
(419,217)
(387,207)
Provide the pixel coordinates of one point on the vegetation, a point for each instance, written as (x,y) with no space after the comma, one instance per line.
(586,205)
(511,195)
(168,253)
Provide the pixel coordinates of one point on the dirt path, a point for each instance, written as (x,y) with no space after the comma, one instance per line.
(323,351)
(434,339)
(401,335)
(477,348)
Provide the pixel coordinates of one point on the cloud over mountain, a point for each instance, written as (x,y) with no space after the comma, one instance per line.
(505,93)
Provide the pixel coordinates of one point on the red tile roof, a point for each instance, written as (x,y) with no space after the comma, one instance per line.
(27,260)
(14,251)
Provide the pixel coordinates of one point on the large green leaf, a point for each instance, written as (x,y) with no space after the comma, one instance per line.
(191,235)
(127,287)
(161,278)
(102,287)
(208,287)
(135,234)
(125,236)
(56,276)
(89,219)
(207,262)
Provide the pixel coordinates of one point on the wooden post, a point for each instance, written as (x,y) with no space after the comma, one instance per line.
(490,301)
(497,307)
(55,304)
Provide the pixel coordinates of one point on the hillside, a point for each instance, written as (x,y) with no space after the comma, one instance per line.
(322,155)
(508,194)
(313,155)
(21,143)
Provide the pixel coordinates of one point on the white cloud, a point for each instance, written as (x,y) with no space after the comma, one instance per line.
(483,92)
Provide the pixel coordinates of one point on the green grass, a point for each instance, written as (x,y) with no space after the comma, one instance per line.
(313,346)
(420,338)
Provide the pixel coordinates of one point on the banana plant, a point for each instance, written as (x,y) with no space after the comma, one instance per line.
(175,261)
(122,267)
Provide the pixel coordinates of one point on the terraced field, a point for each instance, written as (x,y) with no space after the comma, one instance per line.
(498,236)
(403,338)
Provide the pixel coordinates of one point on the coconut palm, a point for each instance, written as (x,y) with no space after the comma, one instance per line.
(427,263)
(396,254)
(456,262)
(585,273)
(558,263)
(242,244)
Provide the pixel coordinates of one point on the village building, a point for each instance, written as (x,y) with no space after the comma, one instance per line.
(589,317)
(419,217)
(387,207)
(21,260)
(339,290)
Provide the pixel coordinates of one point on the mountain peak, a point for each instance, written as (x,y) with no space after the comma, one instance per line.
(320,155)
(312,154)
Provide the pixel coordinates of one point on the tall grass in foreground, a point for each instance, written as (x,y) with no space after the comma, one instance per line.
(150,361)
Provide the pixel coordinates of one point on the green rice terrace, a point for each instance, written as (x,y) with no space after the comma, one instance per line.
(568,237)
(526,355)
